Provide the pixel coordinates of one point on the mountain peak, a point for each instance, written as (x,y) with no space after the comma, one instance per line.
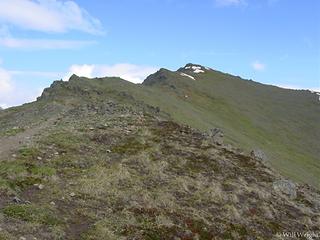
(73,77)
(160,76)
(194,68)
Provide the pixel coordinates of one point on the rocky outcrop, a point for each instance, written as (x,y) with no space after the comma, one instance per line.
(285,187)
(216,135)
(258,154)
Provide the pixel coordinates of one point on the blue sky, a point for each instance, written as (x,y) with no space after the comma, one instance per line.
(271,41)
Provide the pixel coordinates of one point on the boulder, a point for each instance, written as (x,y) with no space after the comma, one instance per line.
(285,187)
(258,154)
(216,135)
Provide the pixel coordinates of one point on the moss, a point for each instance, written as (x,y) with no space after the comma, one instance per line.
(4,184)
(4,235)
(12,168)
(240,229)
(200,228)
(130,146)
(19,174)
(65,141)
(12,132)
(43,171)
(32,213)
(274,227)
(28,153)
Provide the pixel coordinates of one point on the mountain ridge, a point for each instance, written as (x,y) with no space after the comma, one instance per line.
(174,158)
(102,165)
(281,122)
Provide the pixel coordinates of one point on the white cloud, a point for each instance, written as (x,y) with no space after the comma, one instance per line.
(38,44)
(227,3)
(81,71)
(129,72)
(11,93)
(3,106)
(6,84)
(258,66)
(48,16)
(6,87)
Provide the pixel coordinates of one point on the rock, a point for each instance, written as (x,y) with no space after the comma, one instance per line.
(16,200)
(14,155)
(258,154)
(285,187)
(39,186)
(39,158)
(217,135)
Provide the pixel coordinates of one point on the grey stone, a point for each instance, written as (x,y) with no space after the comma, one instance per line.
(216,135)
(285,187)
(16,200)
(258,154)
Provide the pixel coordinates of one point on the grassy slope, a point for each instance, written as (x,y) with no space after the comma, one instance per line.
(284,123)
(114,171)
(254,116)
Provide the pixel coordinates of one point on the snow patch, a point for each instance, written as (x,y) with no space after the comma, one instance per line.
(186,75)
(317,93)
(196,69)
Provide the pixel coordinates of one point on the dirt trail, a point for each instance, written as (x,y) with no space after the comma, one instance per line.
(10,144)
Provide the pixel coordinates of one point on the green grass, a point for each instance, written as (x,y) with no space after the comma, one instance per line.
(130,146)
(28,153)
(24,171)
(12,132)
(32,213)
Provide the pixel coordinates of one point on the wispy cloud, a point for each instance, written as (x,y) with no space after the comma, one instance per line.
(130,72)
(6,84)
(228,3)
(39,44)
(13,93)
(48,16)
(258,66)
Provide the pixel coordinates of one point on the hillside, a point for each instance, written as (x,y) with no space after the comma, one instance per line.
(107,159)
(283,123)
